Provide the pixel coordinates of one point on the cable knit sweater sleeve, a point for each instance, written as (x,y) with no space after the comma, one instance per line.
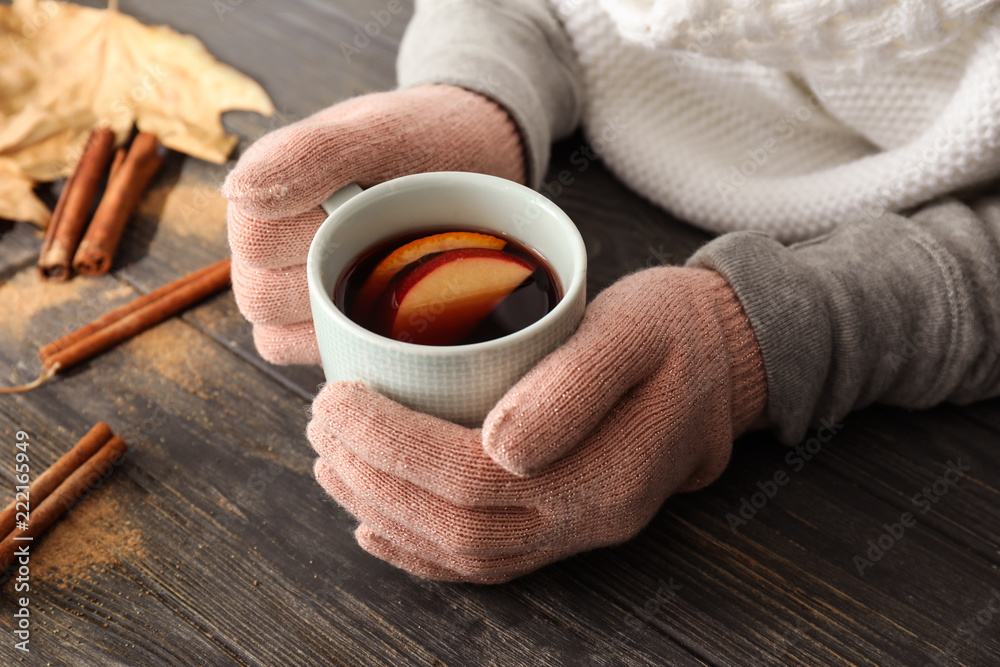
(512,51)
(903,311)
(806,34)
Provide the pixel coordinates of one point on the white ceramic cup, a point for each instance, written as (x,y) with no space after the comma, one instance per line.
(460,383)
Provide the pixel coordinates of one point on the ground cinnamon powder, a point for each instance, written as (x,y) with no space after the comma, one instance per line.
(176,352)
(95,534)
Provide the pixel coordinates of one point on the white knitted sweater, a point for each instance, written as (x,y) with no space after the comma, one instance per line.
(789,116)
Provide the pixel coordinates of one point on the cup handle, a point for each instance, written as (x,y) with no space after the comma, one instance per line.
(334,201)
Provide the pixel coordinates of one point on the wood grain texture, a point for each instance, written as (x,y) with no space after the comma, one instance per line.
(212,544)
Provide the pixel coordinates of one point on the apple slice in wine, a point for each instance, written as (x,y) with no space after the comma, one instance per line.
(441,300)
(406,254)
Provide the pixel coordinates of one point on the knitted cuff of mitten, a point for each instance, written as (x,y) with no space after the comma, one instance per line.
(748,379)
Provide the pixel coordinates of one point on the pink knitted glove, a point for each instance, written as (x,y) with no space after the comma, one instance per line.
(643,401)
(275,190)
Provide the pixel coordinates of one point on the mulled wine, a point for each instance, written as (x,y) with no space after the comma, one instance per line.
(447,287)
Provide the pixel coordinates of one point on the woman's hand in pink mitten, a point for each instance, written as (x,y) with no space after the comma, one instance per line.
(276,188)
(642,401)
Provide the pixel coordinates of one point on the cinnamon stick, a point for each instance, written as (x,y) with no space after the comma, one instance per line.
(134,317)
(127,321)
(121,196)
(43,515)
(73,208)
(48,351)
(49,480)
(57,212)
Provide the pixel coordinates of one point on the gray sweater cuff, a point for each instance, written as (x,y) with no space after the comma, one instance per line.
(785,310)
(514,52)
(892,310)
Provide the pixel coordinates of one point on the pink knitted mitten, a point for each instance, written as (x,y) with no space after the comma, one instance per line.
(275,190)
(643,401)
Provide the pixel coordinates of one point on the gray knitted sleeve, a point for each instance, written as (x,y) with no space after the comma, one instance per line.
(896,310)
(513,51)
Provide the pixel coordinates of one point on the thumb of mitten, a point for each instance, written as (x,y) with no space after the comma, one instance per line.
(559,402)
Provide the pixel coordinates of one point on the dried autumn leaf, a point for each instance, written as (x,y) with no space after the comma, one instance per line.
(65,69)
(17,201)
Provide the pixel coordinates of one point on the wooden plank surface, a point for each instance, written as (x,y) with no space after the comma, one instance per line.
(212,544)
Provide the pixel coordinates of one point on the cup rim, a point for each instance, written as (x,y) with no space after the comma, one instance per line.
(571,292)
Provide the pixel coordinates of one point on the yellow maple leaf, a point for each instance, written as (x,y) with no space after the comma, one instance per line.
(65,69)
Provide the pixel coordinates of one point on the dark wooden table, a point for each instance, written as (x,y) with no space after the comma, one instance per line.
(213,545)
